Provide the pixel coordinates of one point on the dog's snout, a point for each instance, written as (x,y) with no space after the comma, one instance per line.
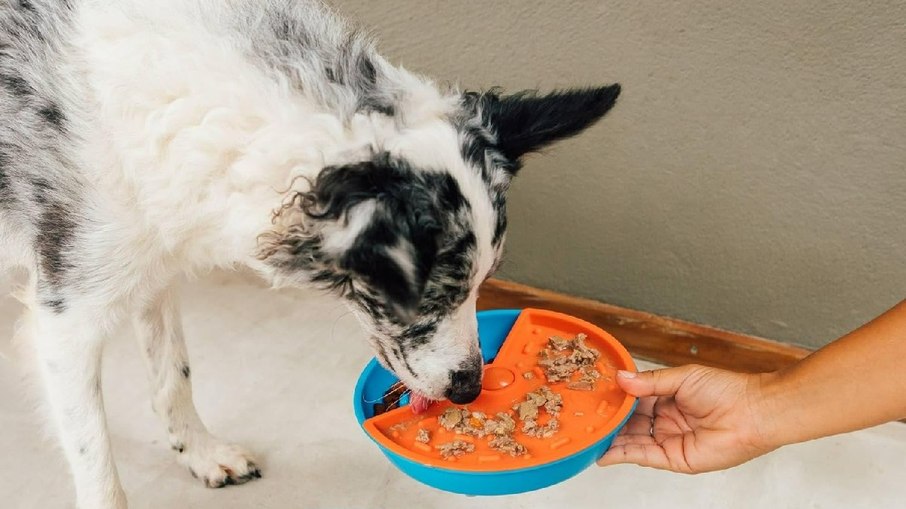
(465,385)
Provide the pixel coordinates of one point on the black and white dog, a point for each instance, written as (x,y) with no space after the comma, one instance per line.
(141,141)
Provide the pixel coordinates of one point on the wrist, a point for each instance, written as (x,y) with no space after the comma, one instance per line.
(770,397)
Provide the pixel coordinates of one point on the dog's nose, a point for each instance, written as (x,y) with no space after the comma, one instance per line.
(465,385)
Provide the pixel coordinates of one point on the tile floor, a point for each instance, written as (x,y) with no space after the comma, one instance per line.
(264,360)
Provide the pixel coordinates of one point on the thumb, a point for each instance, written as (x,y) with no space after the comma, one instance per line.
(660,382)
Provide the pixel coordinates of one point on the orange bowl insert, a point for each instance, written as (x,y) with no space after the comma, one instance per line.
(589,412)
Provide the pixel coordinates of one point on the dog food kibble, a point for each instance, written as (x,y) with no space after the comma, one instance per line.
(548,430)
(455,449)
(559,344)
(543,396)
(565,358)
(507,444)
(504,425)
(527,411)
(423,436)
(498,429)
(454,419)
(464,422)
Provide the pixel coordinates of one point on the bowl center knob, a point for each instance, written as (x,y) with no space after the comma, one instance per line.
(496,377)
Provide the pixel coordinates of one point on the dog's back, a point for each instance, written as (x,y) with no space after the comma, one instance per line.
(38,187)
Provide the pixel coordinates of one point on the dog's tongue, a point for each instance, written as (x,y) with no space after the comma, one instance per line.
(419,403)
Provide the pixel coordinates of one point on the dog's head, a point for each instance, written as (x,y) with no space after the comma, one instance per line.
(408,233)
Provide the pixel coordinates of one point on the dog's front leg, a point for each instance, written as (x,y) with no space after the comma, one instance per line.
(215,462)
(69,348)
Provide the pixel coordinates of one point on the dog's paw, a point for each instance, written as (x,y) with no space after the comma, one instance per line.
(218,464)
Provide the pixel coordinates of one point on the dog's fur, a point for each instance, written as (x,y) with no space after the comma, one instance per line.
(141,141)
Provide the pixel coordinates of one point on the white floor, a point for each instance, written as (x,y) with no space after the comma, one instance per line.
(262,361)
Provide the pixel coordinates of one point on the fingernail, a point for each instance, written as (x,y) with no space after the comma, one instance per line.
(625,374)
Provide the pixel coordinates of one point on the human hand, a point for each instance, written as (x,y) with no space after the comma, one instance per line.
(691,419)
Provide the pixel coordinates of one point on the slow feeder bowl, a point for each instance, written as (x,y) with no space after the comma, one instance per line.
(510,342)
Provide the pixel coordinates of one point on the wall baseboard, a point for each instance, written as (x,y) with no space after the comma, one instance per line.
(651,337)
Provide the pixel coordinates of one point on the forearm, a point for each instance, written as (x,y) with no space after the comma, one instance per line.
(853,383)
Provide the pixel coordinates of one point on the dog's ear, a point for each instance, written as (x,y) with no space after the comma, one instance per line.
(378,229)
(526,121)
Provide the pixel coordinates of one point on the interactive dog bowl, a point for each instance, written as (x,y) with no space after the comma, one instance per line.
(510,342)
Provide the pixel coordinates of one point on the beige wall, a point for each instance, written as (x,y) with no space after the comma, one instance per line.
(752,176)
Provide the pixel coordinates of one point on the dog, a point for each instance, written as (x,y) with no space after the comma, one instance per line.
(141,142)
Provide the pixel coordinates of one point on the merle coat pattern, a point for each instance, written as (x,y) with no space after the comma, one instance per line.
(143,141)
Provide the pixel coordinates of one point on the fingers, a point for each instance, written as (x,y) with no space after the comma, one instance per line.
(638,425)
(622,440)
(644,454)
(669,417)
(646,406)
(660,382)
(637,443)
(665,452)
